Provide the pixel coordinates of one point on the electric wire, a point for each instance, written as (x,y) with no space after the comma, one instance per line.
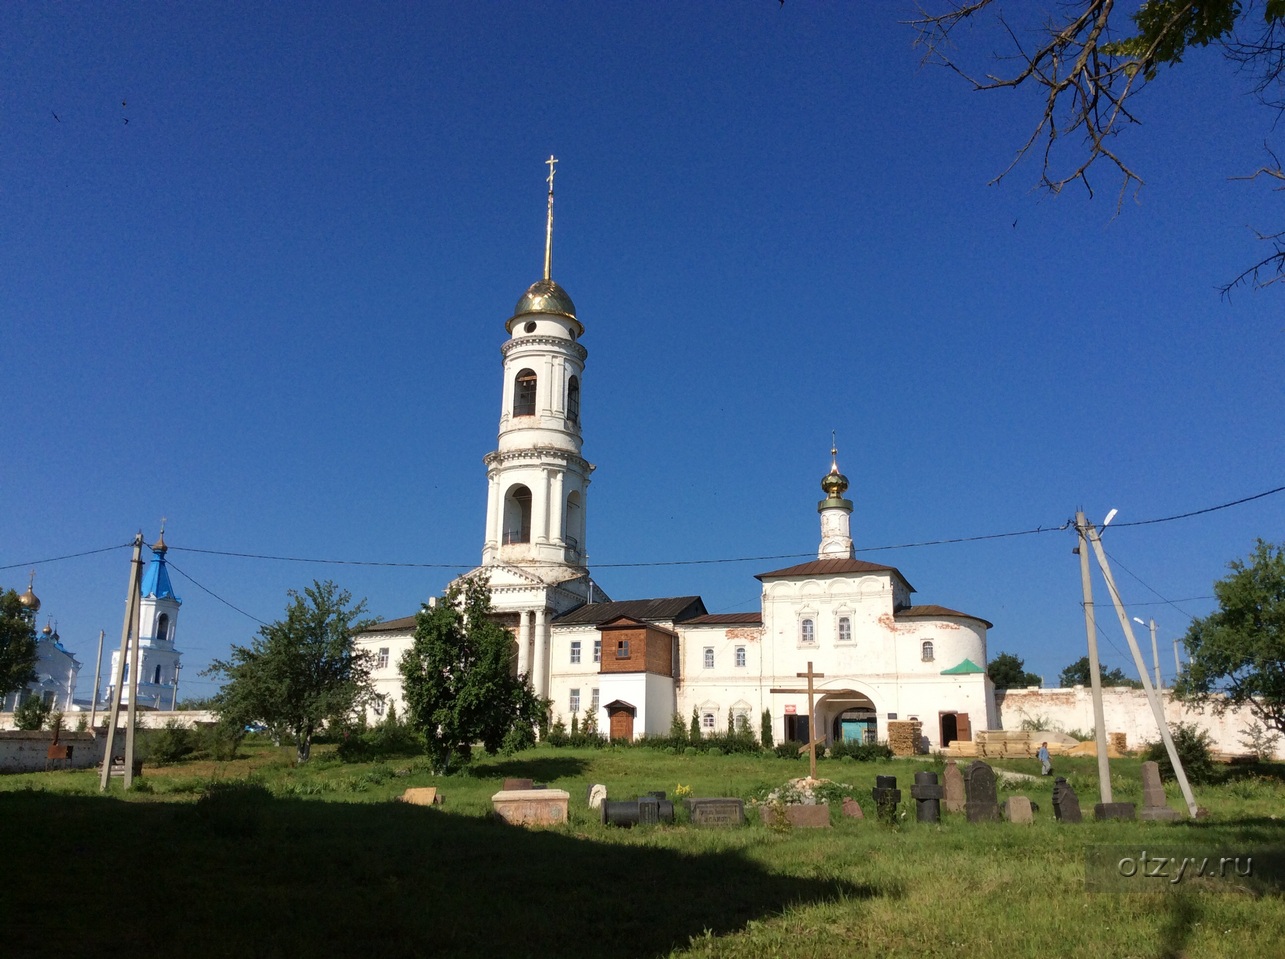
(58,559)
(170,564)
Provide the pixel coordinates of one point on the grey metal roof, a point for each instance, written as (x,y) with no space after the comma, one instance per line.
(670,609)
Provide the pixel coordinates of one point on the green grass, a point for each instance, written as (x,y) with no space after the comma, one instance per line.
(256,858)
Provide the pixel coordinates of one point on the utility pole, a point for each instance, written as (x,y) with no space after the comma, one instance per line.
(129,628)
(1157,708)
(98,675)
(1177,665)
(1155,654)
(1095,674)
(174,703)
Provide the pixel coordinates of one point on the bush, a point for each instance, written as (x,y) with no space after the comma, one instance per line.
(172,743)
(690,751)
(861,752)
(677,731)
(557,734)
(1192,744)
(31,714)
(787,751)
(765,729)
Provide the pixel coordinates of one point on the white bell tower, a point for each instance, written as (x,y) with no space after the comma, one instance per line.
(533,553)
(157,618)
(836,513)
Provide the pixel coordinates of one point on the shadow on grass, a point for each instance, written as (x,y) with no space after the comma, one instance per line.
(241,873)
(541,769)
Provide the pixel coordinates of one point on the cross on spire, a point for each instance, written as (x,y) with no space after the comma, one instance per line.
(551,163)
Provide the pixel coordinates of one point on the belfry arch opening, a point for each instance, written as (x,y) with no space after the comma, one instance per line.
(573,399)
(574,533)
(524,393)
(163,626)
(517,515)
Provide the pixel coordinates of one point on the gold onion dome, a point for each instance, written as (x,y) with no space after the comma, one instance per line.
(545,296)
(834,484)
(47,631)
(159,546)
(29,600)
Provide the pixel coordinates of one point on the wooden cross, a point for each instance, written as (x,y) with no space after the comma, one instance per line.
(815,739)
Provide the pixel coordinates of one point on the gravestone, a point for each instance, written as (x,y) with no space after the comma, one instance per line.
(1018,809)
(1066,804)
(927,795)
(716,812)
(531,807)
(422,796)
(1113,810)
(954,787)
(852,808)
(804,817)
(647,810)
(1155,808)
(597,794)
(512,784)
(979,785)
(886,796)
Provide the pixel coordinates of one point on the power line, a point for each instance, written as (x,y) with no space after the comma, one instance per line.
(215,595)
(1200,512)
(58,559)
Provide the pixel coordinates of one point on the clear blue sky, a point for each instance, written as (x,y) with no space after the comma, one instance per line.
(269,307)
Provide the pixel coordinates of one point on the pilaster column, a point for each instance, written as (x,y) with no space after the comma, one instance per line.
(540,509)
(524,642)
(542,653)
(558,506)
(494,514)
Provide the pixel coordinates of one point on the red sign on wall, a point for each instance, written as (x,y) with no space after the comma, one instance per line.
(791,710)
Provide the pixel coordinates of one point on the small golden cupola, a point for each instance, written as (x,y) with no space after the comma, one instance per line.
(29,600)
(836,512)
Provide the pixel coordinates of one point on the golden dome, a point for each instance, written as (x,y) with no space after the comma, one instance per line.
(29,598)
(159,546)
(834,483)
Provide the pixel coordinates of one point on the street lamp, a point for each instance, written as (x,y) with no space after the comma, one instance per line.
(1155,654)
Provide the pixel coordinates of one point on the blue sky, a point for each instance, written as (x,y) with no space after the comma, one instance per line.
(269,307)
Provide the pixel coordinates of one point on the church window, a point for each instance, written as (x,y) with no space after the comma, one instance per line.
(707,722)
(593,700)
(574,704)
(574,521)
(597,650)
(517,515)
(927,651)
(575,651)
(845,629)
(156,676)
(163,626)
(530,327)
(807,632)
(709,657)
(740,655)
(573,399)
(381,661)
(622,649)
(524,394)
(49,698)
(378,704)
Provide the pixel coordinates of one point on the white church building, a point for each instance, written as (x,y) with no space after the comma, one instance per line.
(157,622)
(635,663)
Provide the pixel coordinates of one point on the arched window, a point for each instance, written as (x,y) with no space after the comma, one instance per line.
(156,676)
(927,649)
(709,657)
(163,626)
(707,722)
(573,399)
(524,394)
(807,631)
(845,629)
(517,515)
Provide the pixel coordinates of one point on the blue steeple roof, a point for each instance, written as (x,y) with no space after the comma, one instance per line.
(156,579)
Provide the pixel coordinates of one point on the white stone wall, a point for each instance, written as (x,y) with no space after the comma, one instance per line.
(1125,711)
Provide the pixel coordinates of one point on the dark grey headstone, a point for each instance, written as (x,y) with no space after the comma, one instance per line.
(716,812)
(886,796)
(927,795)
(1114,810)
(1066,804)
(979,786)
(515,784)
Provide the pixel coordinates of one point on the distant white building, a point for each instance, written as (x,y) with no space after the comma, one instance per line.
(157,622)
(634,664)
(56,668)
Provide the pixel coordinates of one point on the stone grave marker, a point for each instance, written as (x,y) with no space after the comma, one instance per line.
(852,808)
(979,785)
(513,784)
(597,794)
(531,807)
(1066,804)
(716,812)
(422,796)
(1018,809)
(802,816)
(954,787)
(927,795)
(1113,810)
(886,796)
(1155,808)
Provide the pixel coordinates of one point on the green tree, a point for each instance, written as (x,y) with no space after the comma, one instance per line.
(31,713)
(458,678)
(1077,674)
(1089,59)
(299,672)
(1237,654)
(17,643)
(1008,672)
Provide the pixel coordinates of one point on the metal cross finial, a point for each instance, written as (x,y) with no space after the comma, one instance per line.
(548,233)
(834,452)
(32,581)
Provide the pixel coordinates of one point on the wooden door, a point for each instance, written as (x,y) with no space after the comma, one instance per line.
(622,724)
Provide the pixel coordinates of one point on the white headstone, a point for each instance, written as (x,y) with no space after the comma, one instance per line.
(597,795)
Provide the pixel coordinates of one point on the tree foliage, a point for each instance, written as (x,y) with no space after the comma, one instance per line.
(299,672)
(1237,653)
(1090,58)
(31,713)
(458,678)
(17,643)
(1077,674)
(1008,672)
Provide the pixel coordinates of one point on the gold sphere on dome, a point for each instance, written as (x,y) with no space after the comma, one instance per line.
(47,631)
